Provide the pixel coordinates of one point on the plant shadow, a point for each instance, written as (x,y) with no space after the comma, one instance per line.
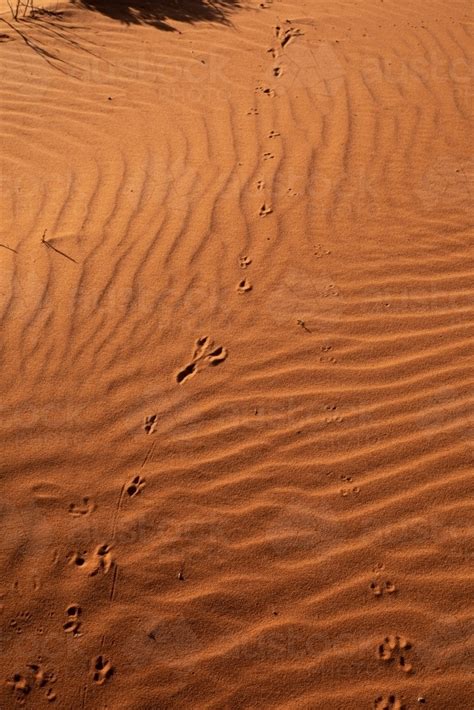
(159,13)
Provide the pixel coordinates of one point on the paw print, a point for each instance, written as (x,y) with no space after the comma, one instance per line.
(332,417)
(34,680)
(395,648)
(387,702)
(349,491)
(79,509)
(379,589)
(320,251)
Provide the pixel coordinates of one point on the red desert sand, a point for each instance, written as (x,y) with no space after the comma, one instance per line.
(236,305)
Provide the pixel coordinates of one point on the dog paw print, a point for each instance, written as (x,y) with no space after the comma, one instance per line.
(135,486)
(73,623)
(388,702)
(103,670)
(78,510)
(252,112)
(204,354)
(381,588)
(150,423)
(395,648)
(244,286)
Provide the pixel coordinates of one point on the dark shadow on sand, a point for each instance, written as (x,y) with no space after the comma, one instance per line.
(158,13)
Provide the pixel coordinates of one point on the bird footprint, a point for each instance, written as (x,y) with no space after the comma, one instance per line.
(135,486)
(204,354)
(103,669)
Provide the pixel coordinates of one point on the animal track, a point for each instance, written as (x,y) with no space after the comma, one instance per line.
(330,291)
(103,560)
(252,112)
(135,486)
(79,509)
(382,588)
(33,679)
(100,560)
(395,647)
(217,356)
(265,90)
(244,286)
(264,210)
(268,156)
(244,262)
(21,620)
(73,625)
(150,424)
(320,251)
(387,702)
(347,491)
(204,354)
(201,345)
(186,372)
(103,670)
(273,134)
(326,357)
(334,418)
(284,36)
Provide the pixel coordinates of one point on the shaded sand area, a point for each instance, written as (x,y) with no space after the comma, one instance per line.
(236,356)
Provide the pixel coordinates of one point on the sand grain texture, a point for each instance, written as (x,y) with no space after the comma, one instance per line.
(236,356)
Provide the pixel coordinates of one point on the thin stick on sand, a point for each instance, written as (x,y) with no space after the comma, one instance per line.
(5,246)
(58,251)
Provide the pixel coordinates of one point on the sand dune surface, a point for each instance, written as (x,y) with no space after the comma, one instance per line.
(236,306)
